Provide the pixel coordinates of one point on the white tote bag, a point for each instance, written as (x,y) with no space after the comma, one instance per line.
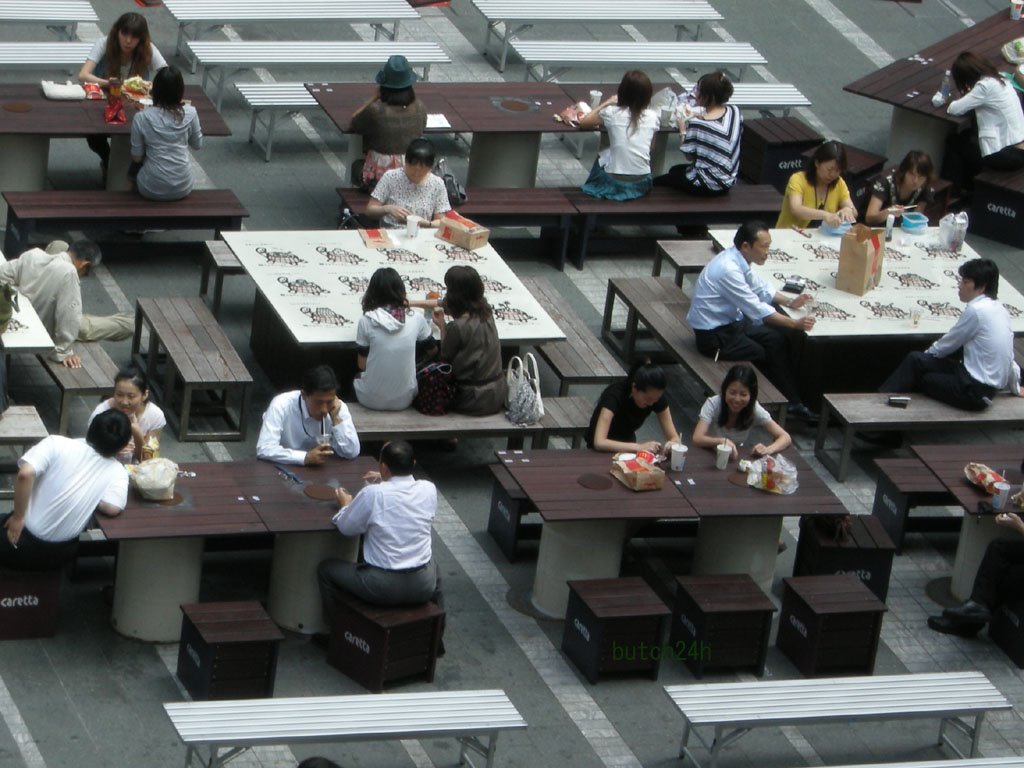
(523,401)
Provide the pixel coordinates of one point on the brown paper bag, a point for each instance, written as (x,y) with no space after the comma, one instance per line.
(860,259)
(637,474)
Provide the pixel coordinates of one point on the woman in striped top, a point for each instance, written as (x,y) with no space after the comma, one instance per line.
(711,141)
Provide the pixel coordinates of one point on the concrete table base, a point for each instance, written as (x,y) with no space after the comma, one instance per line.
(503,160)
(154,577)
(294,600)
(588,549)
(120,161)
(912,130)
(976,531)
(23,168)
(739,545)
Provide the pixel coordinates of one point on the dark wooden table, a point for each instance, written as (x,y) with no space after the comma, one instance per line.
(585,529)
(908,84)
(976,531)
(506,120)
(28,121)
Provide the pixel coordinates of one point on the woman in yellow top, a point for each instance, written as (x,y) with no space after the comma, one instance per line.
(818,192)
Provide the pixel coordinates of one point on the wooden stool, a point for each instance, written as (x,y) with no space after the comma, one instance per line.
(1007,631)
(829,624)
(866,552)
(614,625)
(228,651)
(772,149)
(28,603)
(508,506)
(221,261)
(22,428)
(374,644)
(720,622)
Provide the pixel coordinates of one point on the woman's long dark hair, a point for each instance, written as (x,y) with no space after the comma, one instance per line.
(169,90)
(747,376)
(634,94)
(397,97)
(385,289)
(830,150)
(135,25)
(968,68)
(465,293)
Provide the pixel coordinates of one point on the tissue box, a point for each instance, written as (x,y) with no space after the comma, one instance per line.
(458,230)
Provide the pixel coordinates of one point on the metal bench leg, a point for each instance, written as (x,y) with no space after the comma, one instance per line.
(976,735)
(716,746)
(686,738)
(188,756)
(65,412)
(186,407)
(218,289)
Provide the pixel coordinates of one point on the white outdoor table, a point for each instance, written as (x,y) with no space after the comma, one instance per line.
(26,332)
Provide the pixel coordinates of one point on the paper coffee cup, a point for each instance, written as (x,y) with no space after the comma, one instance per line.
(595,98)
(722,456)
(1015,9)
(667,114)
(1001,496)
(677,457)
(412,226)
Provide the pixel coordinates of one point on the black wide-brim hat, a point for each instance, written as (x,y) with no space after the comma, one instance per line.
(396,73)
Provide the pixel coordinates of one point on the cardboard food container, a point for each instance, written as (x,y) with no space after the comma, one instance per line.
(861,251)
(636,474)
(376,238)
(458,230)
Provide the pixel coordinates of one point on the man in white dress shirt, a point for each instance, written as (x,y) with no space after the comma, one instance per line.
(733,317)
(394,515)
(983,332)
(308,425)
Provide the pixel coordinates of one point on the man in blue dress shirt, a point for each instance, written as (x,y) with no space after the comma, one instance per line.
(734,318)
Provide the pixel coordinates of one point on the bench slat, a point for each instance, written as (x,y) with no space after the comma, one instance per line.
(43,55)
(226,11)
(597,10)
(261,53)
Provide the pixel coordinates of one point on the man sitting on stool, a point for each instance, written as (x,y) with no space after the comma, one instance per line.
(394,515)
(308,426)
(733,317)
(984,333)
(999,579)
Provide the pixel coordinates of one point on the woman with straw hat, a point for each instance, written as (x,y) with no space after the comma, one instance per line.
(389,121)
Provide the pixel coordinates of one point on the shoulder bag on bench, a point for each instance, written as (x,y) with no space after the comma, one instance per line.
(524,404)
(455,188)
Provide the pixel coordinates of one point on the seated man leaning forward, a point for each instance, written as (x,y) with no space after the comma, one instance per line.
(733,317)
(394,515)
(310,425)
(983,332)
(60,483)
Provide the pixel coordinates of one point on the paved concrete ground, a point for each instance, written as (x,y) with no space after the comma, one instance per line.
(90,698)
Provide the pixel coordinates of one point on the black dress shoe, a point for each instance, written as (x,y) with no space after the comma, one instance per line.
(969,611)
(802,412)
(948,626)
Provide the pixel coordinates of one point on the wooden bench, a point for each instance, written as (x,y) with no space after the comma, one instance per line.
(197,353)
(549,59)
(566,417)
(978,762)
(665,206)
(686,257)
(61,17)
(904,484)
(44,56)
(581,358)
(542,207)
(216,13)
(228,728)
(997,210)
(661,306)
(870,411)
(222,59)
(21,428)
(95,377)
(515,17)
(216,209)
(732,709)
(220,261)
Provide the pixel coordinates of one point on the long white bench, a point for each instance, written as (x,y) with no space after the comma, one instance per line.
(733,709)
(207,15)
(981,762)
(227,728)
(517,16)
(548,59)
(61,17)
(268,102)
(220,60)
(43,55)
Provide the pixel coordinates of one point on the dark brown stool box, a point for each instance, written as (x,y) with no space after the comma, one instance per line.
(375,644)
(997,211)
(720,622)
(772,149)
(829,624)
(862,168)
(508,506)
(228,651)
(866,552)
(28,603)
(614,625)
(1007,631)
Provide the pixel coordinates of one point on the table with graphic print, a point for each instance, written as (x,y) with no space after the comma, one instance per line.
(309,287)
(918,277)
(25,331)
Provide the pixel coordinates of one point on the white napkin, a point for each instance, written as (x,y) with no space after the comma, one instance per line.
(67,91)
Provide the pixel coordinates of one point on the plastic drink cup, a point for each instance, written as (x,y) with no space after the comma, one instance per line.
(667,114)
(677,457)
(412,226)
(1015,9)
(722,455)
(595,98)
(322,440)
(115,82)
(915,317)
(1001,496)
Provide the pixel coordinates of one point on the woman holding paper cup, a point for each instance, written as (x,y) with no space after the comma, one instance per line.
(726,419)
(625,405)
(411,191)
(818,192)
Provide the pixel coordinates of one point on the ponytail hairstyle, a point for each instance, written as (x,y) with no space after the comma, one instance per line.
(747,376)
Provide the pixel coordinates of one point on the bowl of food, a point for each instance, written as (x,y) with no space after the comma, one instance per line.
(837,231)
(914,222)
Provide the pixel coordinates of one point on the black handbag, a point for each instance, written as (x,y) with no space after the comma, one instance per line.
(455,188)
(436,389)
